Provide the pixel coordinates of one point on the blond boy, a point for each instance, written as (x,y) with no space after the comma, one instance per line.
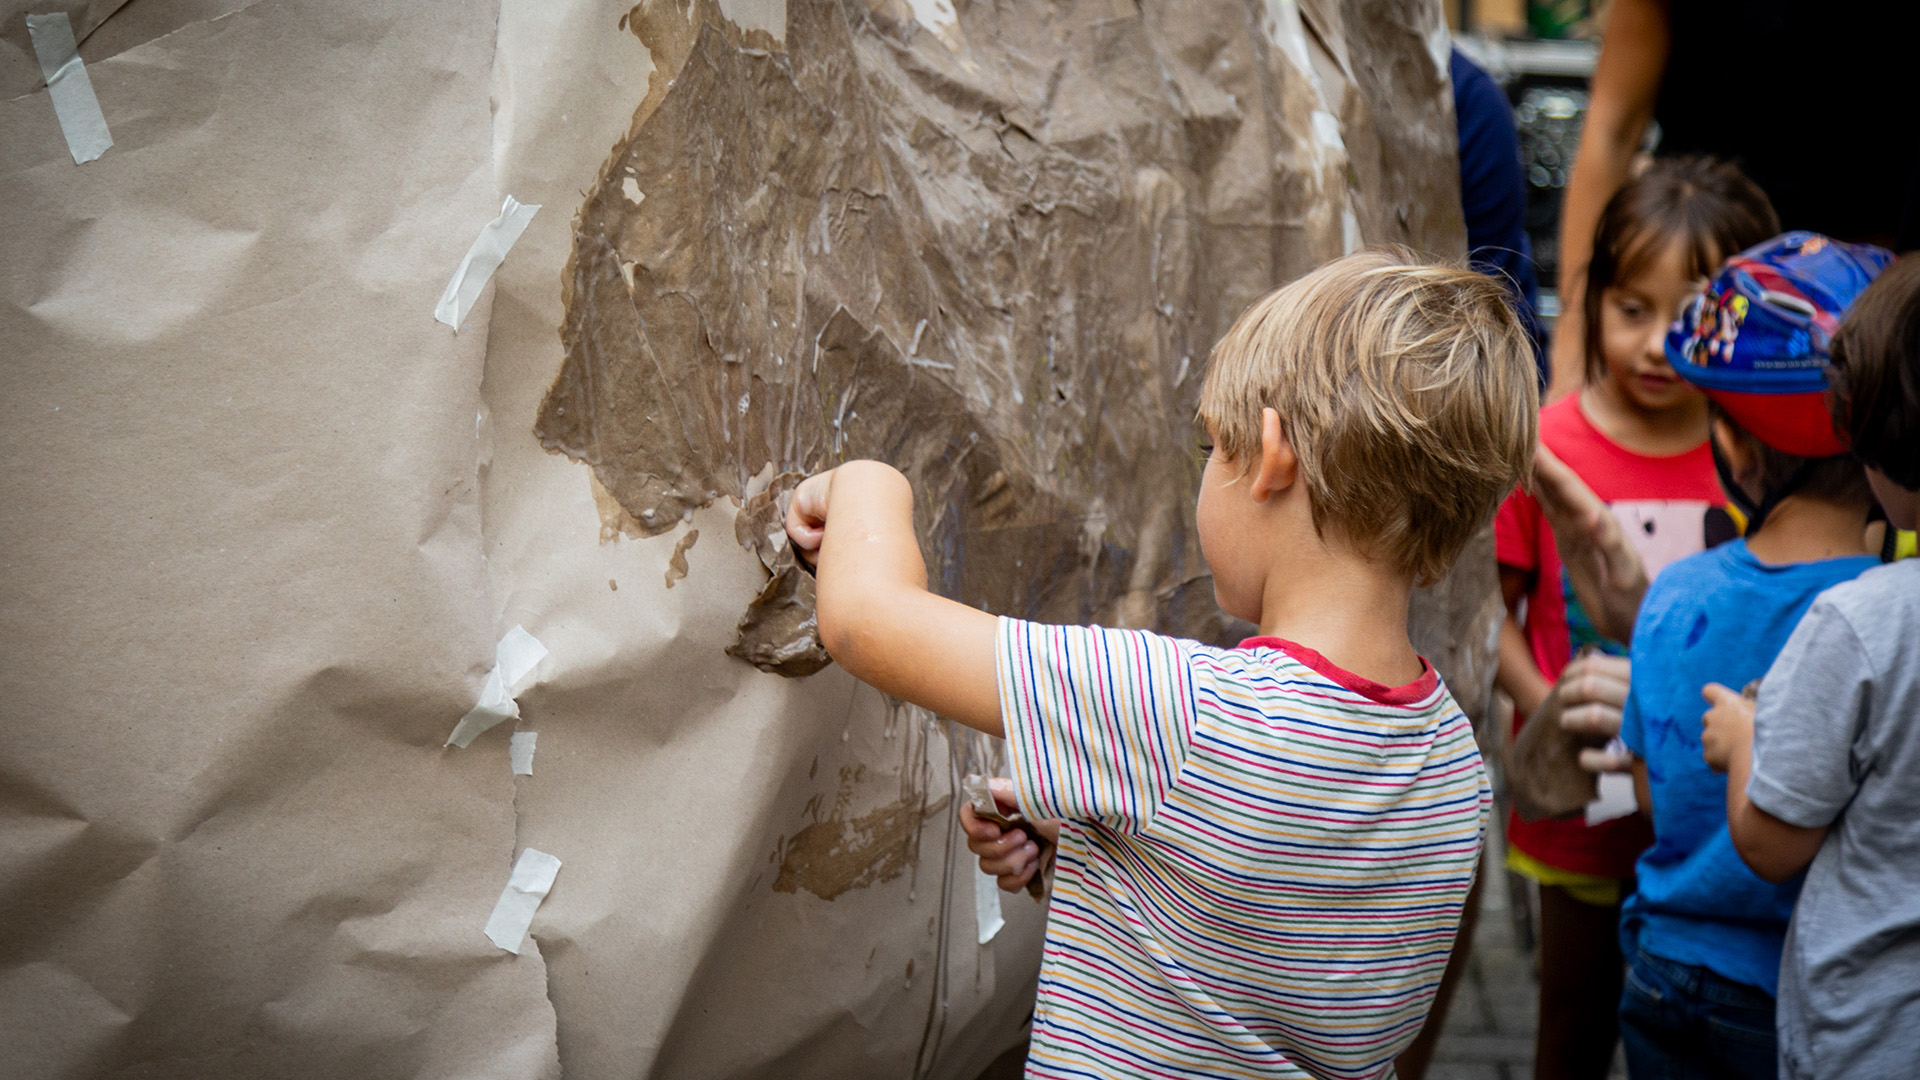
(1263,851)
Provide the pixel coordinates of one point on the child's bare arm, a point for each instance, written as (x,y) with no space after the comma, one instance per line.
(877,618)
(1773,849)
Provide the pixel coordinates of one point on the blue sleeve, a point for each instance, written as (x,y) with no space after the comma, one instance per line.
(1632,731)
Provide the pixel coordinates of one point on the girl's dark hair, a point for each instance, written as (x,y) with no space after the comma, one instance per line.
(1708,205)
(1874,384)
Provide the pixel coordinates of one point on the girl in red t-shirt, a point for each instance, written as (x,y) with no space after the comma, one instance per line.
(1637,435)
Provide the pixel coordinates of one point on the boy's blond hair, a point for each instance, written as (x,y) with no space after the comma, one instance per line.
(1407,390)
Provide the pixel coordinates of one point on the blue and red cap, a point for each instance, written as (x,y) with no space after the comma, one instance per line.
(1756,340)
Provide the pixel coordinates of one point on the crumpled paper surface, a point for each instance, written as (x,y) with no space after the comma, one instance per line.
(267,519)
(245,593)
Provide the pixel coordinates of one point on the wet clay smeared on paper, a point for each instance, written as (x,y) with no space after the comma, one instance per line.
(996,259)
(839,849)
(677,562)
(829,857)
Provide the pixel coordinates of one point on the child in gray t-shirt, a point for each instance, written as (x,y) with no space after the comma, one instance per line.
(1827,770)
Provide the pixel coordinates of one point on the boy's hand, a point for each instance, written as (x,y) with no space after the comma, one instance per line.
(1726,729)
(1593,692)
(1012,856)
(807,515)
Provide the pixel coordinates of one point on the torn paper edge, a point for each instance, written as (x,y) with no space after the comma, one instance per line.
(529,884)
(987,920)
(1614,797)
(514,658)
(68,85)
(520,752)
(489,250)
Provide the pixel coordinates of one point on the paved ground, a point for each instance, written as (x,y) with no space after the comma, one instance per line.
(1489,1032)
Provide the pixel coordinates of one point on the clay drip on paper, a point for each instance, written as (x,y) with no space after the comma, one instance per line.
(996,260)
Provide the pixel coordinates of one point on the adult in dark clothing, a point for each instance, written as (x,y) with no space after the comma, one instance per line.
(1811,98)
(1493,195)
(1493,192)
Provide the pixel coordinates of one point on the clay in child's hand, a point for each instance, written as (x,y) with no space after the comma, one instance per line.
(1546,780)
(986,825)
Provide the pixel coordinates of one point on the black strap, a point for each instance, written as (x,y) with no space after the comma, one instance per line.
(1890,540)
(1757,512)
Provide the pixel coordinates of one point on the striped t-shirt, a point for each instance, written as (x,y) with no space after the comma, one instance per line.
(1263,858)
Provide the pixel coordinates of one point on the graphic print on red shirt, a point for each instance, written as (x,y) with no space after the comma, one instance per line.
(1670,507)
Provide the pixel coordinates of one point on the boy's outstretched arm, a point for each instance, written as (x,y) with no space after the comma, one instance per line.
(1772,848)
(877,619)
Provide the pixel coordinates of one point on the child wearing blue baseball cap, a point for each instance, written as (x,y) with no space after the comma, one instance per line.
(1828,771)
(1703,932)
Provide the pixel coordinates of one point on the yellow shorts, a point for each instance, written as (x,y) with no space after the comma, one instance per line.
(1586,888)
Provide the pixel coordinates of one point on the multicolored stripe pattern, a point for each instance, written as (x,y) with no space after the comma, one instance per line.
(1263,861)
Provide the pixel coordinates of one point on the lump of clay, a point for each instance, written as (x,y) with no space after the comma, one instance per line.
(1546,780)
(779,632)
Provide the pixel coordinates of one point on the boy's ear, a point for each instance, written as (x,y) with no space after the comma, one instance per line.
(1734,449)
(1278,467)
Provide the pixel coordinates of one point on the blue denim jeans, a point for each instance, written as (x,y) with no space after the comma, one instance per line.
(1680,1022)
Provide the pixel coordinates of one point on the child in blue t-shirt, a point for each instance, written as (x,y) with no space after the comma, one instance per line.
(1703,933)
(1826,778)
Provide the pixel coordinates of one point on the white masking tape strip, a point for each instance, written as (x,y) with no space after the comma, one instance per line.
(520,752)
(986,905)
(532,878)
(489,250)
(513,660)
(67,84)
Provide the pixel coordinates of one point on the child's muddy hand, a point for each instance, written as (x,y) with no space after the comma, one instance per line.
(1013,855)
(1593,693)
(1726,728)
(1010,856)
(1604,568)
(807,515)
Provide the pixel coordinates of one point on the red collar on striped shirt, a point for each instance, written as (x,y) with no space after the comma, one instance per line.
(1411,693)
